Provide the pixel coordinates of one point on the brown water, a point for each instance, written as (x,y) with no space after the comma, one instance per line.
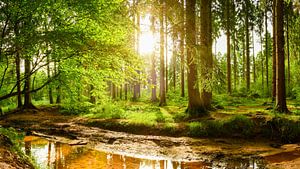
(55,155)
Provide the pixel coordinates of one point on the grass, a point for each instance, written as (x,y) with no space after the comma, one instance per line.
(236,117)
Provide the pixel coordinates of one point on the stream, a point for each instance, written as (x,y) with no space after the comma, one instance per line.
(55,155)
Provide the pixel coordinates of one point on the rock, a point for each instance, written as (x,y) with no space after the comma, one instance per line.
(77,142)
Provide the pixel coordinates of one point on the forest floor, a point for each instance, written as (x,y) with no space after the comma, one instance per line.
(119,136)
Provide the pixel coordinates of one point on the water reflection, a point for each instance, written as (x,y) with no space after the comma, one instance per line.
(54,155)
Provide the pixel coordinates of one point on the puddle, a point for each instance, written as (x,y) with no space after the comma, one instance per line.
(55,155)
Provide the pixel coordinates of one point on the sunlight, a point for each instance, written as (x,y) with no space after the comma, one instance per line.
(147,42)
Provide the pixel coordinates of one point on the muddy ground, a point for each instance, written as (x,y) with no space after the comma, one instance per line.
(74,130)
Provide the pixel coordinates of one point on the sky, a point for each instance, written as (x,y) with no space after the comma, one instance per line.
(148,40)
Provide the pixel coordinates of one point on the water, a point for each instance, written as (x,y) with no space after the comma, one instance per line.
(55,155)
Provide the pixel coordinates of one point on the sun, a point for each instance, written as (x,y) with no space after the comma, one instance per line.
(146,44)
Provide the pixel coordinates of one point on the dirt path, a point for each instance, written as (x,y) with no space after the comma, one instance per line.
(72,130)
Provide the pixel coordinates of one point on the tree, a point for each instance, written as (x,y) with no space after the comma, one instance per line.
(162,83)
(206,58)
(194,105)
(228,34)
(247,4)
(280,75)
(182,53)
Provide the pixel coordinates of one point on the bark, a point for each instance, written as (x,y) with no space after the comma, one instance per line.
(247,47)
(228,34)
(274,53)
(166,48)
(266,49)
(162,57)
(153,67)
(194,104)
(234,61)
(49,87)
(27,98)
(58,89)
(253,58)
(113,91)
(18,74)
(182,55)
(288,48)
(206,58)
(174,61)
(92,98)
(280,75)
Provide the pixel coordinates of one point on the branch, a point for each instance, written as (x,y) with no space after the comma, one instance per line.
(31,91)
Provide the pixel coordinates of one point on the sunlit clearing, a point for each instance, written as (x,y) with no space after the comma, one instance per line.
(147,42)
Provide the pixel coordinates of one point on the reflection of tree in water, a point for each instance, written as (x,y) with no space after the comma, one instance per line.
(240,163)
(62,156)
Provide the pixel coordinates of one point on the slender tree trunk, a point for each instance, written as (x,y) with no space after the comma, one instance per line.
(18,74)
(58,89)
(253,58)
(234,60)
(262,60)
(153,67)
(27,99)
(49,86)
(206,58)
(280,75)
(182,55)
(166,48)
(247,47)
(228,34)
(288,48)
(174,61)
(92,98)
(126,91)
(194,106)
(162,57)
(267,49)
(244,59)
(274,53)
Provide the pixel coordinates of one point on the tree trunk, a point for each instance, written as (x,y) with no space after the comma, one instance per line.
(253,58)
(126,91)
(58,89)
(166,48)
(92,98)
(288,48)
(182,55)
(174,61)
(49,87)
(18,74)
(206,58)
(280,75)
(194,105)
(27,98)
(234,60)
(228,47)
(162,57)
(266,49)
(247,47)
(153,67)
(274,53)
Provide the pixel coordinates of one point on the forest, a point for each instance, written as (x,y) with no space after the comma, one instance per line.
(149,84)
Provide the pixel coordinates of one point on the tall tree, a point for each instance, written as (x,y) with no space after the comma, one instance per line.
(162,83)
(274,52)
(153,67)
(194,106)
(228,34)
(206,58)
(182,54)
(280,75)
(247,3)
